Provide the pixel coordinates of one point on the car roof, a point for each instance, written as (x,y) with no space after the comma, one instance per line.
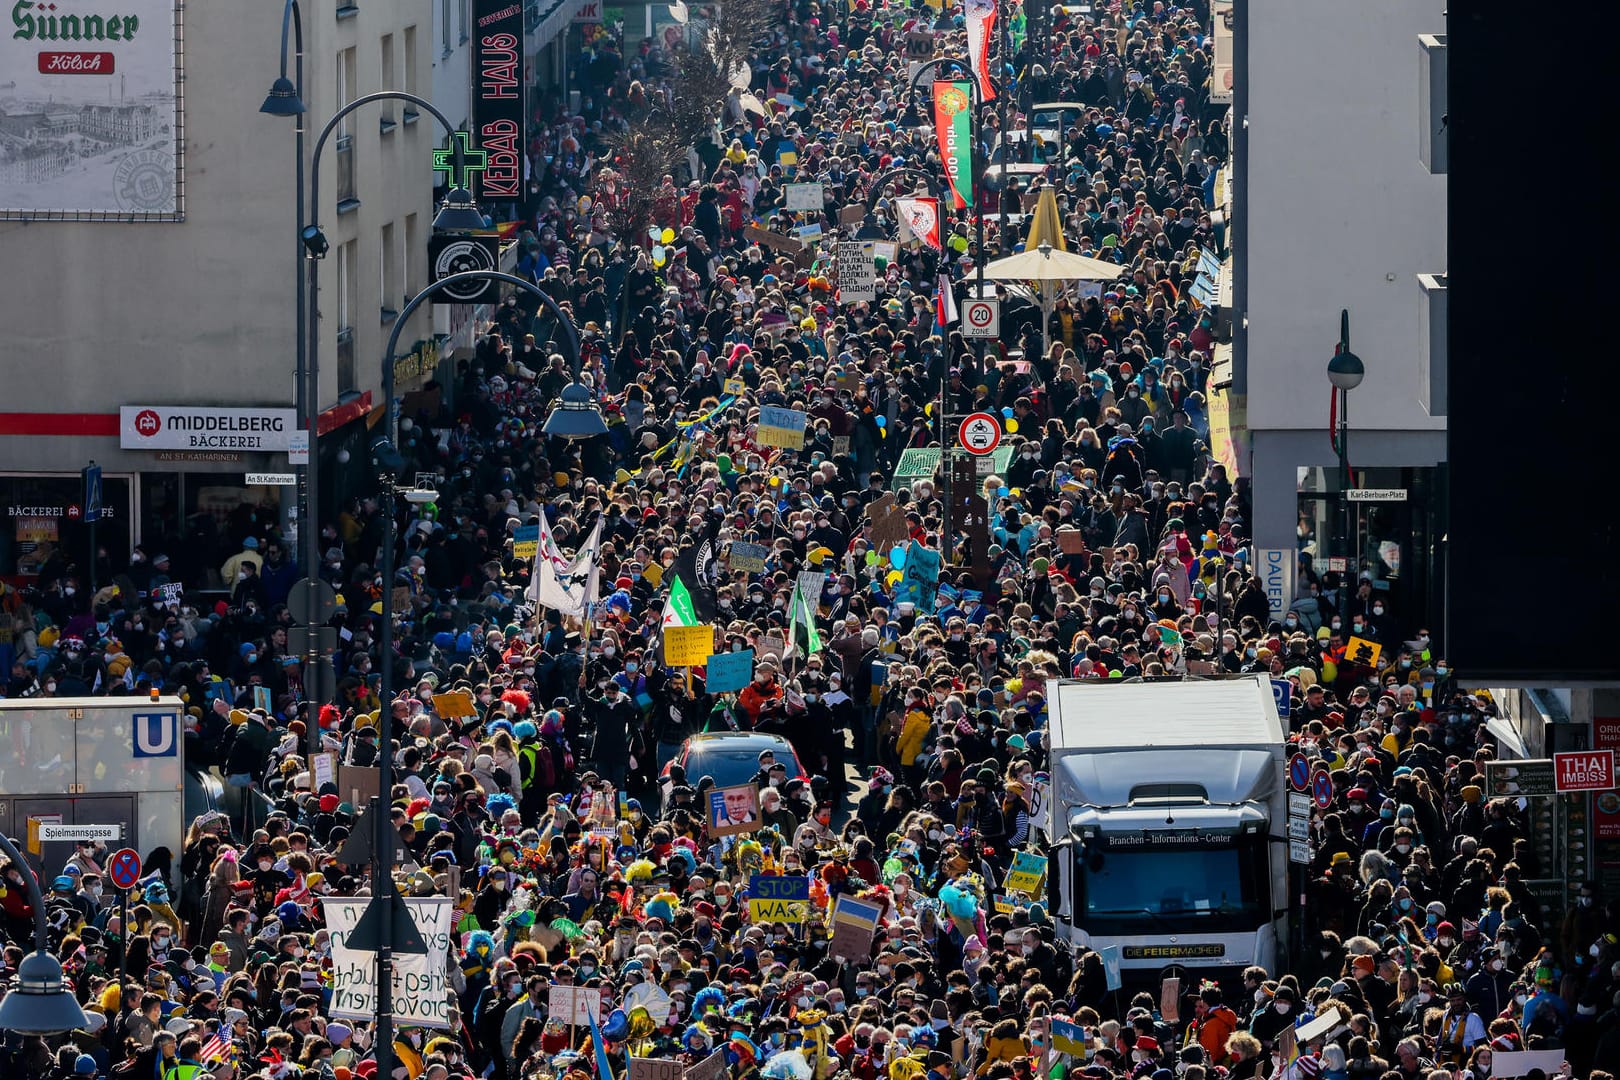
(739,740)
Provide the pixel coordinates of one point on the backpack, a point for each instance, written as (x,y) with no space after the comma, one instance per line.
(542,770)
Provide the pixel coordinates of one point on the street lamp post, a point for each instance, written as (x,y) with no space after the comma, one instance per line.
(286,98)
(1345,372)
(41,1003)
(457,213)
(391,466)
(964,71)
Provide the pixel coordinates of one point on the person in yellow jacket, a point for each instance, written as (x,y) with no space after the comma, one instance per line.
(913,733)
(1003,1044)
(408,1052)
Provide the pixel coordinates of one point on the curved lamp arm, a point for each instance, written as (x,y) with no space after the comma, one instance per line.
(337,117)
(464,277)
(36,898)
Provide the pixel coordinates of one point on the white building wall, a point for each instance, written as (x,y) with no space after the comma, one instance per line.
(452,60)
(103,314)
(1342,214)
(393,179)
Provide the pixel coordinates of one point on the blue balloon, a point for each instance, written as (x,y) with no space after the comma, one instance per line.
(617,1026)
(1006,410)
(897,557)
(882,421)
(1001,492)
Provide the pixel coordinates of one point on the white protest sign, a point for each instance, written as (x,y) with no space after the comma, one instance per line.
(857,271)
(324,768)
(1520,1062)
(575,1005)
(421,993)
(804,196)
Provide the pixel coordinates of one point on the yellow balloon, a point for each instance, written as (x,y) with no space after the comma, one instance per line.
(669,235)
(1012,426)
(894,576)
(928,409)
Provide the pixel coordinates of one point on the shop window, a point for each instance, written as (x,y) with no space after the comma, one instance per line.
(44,533)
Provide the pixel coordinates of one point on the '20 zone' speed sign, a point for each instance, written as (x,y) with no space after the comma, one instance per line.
(981,319)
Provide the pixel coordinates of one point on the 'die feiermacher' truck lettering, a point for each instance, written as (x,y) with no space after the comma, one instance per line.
(31,27)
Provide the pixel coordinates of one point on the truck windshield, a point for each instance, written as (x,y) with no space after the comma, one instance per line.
(1191,889)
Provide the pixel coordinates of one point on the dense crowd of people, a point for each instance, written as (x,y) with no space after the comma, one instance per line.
(557,812)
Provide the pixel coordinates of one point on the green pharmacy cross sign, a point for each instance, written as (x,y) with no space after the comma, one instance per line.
(472,161)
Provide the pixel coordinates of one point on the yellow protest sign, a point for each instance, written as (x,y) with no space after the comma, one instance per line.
(654,573)
(784,911)
(735,388)
(688,646)
(1363,652)
(781,427)
(1027,872)
(454,705)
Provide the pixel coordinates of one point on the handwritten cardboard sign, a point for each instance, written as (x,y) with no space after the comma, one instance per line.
(688,646)
(455,705)
(781,427)
(749,557)
(729,672)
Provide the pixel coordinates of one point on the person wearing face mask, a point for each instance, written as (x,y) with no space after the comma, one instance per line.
(613,714)
(1275,1014)
(1583,924)
(1489,988)
(1037,951)
(230,572)
(762,699)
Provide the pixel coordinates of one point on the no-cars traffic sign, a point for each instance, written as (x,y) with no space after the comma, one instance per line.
(980,433)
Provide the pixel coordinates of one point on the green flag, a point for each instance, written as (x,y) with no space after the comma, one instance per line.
(678,608)
(801,610)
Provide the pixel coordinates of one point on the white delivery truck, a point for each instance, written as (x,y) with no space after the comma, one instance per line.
(117,763)
(1166,816)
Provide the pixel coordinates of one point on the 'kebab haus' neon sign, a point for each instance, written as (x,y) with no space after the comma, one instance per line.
(53,27)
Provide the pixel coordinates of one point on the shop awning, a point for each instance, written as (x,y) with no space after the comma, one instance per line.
(1507,735)
(550,20)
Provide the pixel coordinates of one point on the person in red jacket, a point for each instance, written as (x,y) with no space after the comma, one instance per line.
(17,912)
(1213,1023)
(761,700)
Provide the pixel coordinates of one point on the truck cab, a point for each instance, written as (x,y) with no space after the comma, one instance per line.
(1165,813)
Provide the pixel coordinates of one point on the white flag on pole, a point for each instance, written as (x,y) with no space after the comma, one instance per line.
(570,592)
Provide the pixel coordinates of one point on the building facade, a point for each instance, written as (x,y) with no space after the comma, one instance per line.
(119,324)
(1336,208)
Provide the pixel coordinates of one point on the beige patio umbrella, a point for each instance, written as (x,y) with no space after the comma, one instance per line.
(1048,266)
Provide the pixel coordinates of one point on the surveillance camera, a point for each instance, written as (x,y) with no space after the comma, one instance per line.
(419,496)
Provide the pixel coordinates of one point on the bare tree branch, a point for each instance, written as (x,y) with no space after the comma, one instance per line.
(703,75)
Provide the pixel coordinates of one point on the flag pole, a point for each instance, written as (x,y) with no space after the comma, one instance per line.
(585,635)
(539,608)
